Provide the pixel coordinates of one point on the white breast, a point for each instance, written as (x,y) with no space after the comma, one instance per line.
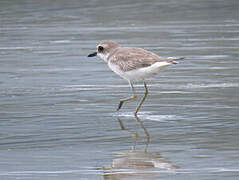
(117,70)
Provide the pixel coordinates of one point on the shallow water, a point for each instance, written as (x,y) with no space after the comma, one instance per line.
(57,107)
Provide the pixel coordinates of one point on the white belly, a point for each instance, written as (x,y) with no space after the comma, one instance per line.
(139,74)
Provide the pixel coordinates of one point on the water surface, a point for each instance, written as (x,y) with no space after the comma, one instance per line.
(57,107)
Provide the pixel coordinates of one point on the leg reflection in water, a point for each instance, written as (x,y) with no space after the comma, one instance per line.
(136,163)
(147,135)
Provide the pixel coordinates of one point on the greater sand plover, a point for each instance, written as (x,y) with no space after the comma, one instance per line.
(132,64)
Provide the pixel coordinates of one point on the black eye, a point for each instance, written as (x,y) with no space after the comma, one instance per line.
(100,49)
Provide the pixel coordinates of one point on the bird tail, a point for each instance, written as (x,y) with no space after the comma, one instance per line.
(174,60)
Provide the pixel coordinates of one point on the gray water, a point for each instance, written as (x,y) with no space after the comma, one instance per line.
(58,116)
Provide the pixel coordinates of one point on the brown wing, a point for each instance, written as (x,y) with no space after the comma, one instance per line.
(128,58)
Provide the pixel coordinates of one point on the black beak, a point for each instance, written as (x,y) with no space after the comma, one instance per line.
(92,54)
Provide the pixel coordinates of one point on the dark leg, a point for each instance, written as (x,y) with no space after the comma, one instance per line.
(142,100)
(128,98)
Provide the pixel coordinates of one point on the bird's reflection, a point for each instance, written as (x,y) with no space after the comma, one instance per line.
(136,163)
(135,133)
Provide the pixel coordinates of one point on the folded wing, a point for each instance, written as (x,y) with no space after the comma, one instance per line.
(128,58)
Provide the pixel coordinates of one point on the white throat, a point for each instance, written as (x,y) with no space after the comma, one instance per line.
(103,56)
